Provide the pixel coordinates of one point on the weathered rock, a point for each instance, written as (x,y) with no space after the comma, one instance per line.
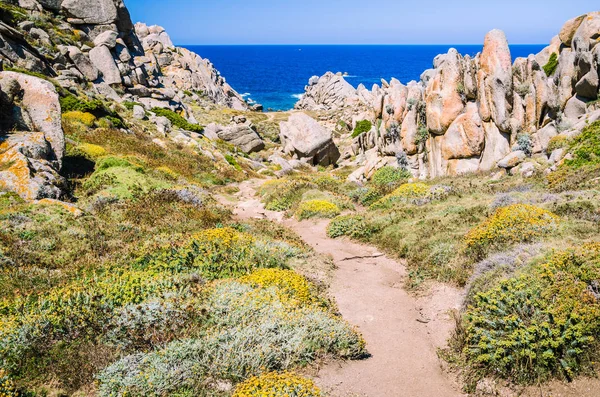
(587,87)
(108,38)
(465,137)
(575,108)
(138,112)
(512,159)
(495,83)
(330,92)
(305,138)
(587,34)
(82,63)
(542,137)
(103,60)
(444,95)
(239,135)
(497,146)
(96,12)
(27,166)
(568,30)
(51,4)
(40,101)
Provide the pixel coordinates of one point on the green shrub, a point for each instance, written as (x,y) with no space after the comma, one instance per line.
(557,142)
(177,120)
(542,323)
(388,178)
(362,127)
(421,136)
(130,105)
(77,116)
(71,103)
(353,226)
(586,147)
(365,195)
(552,65)
(509,225)
(317,209)
(283,194)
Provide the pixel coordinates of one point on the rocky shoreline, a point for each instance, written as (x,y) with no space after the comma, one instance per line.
(468,114)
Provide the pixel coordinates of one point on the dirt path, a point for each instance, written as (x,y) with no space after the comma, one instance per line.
(402,332)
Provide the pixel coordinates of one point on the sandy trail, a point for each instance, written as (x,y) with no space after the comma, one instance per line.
(402,332)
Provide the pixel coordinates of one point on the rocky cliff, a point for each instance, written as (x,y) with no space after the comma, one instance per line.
(81,42)
(468,114)
(90,54)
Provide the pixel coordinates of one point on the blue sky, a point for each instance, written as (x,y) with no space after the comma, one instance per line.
(357,21)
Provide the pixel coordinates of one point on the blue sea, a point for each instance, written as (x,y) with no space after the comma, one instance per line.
(275,75)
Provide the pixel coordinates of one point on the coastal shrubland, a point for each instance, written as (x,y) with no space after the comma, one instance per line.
(277,385)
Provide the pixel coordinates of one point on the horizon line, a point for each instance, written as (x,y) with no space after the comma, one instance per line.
(350,44)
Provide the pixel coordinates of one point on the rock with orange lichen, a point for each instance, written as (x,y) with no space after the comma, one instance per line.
(25,167)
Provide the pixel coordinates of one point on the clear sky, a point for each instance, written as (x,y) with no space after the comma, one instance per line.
(357,21)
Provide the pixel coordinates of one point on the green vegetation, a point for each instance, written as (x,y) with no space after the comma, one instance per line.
(353,226)
(388,178)
(177,120)
(317,209)
(540,323)
(583,168)
(277,385)
(509,225)
(362,127)
(421,136)
(552,65)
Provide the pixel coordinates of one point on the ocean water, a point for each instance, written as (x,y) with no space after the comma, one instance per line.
(275,75)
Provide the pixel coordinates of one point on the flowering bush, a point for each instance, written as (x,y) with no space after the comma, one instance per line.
(412,193)
(543,322)
(89,151)
(317,209)
(167,173)
(76,116)
(275,384)
(289,284)
(509,225)
(349,225)
(7,387)
(253,330)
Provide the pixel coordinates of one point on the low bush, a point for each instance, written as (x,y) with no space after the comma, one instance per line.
(71,103)
(412,193)
(362,127)
(317,209)
(388,178)
(77,116)
(177,120)
(557,142)
(516,223)
(290,285)
(222,253)
(253,331)
(7,386)
(89,151)
(275,384)
(586,147)
(353,226)
(283,194)
(544,322)
(365,195)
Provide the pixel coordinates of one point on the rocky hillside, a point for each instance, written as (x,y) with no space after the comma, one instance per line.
(472,114)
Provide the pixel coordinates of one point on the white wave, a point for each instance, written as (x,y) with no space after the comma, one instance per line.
(350,76)
(245,94)
(297,96)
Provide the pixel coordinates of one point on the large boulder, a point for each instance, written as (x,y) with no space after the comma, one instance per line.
(103,60)
(588,33)
(304,138)
(82,63)
(495,83)
(93,12)
(568,30)
(329,92)
(32,141)
(239,135)
(445,93)
(465,137)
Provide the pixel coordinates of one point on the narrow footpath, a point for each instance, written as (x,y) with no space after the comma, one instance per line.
(402,332)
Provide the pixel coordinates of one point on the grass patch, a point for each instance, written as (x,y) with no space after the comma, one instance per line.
(362,127)
(177,120)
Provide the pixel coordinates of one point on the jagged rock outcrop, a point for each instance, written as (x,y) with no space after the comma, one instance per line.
(305,139)
(99,44)
(328,92)
(32,141)
(466,113)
